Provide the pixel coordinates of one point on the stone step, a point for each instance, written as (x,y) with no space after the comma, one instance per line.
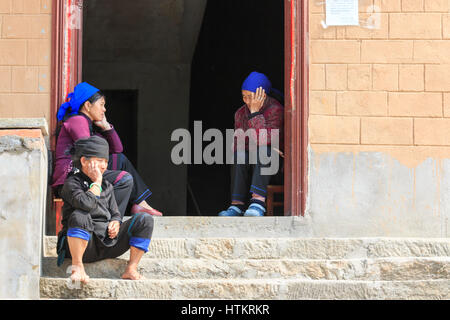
(286,248)
(256,289)
(381,269)
(231,227)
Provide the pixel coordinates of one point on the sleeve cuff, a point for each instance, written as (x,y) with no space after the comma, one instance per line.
(117,219)
(108,131)
(254,114)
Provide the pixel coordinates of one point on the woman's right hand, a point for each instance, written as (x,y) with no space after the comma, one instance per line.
(103,124)
(257,100)
(94,173)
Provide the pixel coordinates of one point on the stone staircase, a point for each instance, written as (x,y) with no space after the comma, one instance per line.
(261,258)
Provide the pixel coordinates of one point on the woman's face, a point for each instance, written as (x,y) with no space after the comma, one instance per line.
(100,162)
(247,96)
(95,111)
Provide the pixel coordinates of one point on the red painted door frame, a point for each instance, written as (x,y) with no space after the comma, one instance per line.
(67,67)
(67,22)
(296,106)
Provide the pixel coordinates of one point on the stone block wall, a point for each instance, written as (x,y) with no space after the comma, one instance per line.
(379,100)
(23,171)
(25,58)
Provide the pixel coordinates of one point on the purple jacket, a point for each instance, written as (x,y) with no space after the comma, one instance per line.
(74,128)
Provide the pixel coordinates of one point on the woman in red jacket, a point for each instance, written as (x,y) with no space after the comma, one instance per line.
(263,114)
(84,116)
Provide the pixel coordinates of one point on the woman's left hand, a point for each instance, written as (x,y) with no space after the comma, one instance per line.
(113,229)
(103,124)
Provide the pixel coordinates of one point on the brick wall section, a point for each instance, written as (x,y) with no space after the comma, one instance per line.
(382,87)
(25,58)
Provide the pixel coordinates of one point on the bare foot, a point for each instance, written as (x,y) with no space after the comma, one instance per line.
(132,274)
(79,274)
(145,205)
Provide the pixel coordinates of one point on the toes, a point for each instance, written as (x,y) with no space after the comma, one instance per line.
(132,276)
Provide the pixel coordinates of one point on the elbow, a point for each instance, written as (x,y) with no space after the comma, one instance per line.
(118,149)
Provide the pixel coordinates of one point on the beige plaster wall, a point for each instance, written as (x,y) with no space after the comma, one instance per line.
(380,100)
(25,58)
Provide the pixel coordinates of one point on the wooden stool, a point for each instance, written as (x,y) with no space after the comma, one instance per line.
(271,191)
(57,205)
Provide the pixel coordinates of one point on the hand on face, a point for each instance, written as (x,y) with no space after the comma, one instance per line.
(96,112)
(256,100)
(103,124)
(95,167)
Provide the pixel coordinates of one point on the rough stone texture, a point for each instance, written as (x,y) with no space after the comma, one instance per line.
(387,269)
(264,227)
(265,268)
(246,289)
(23,169)
(24,123)
(370,290)
(286,248)
(18,144)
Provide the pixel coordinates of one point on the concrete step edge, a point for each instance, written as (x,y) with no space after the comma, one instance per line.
(373,259)
(213,226)
(254,280)
(357,269)
(327,248)
(260,289)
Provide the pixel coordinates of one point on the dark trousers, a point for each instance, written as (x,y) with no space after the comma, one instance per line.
(246,177)
(123,184)
(139,226)
(140,191)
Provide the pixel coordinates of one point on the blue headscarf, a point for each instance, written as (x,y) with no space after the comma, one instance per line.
(256,80)
(80,94)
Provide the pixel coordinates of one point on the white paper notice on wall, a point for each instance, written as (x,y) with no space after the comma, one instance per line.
(342,13)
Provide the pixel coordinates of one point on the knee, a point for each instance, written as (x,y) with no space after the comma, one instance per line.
(81,220)
(148,221)
(125,180)
(143,225)
(144,220)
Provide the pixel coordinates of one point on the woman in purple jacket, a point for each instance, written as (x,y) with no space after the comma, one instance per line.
(83,116)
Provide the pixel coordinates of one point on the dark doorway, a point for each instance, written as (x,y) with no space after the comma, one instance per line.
(236,38)
(121,108)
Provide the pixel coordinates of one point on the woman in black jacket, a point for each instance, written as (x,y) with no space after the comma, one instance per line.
(92,223)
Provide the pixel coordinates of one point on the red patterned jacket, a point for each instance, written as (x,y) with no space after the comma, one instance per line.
(270,116)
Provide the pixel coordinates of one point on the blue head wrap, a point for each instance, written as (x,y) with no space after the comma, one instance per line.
(256,80)
(80,94)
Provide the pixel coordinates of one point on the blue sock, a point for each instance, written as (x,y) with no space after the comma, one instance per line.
(240,206)
(262,203)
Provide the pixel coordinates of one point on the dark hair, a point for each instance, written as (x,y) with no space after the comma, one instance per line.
(95,97)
